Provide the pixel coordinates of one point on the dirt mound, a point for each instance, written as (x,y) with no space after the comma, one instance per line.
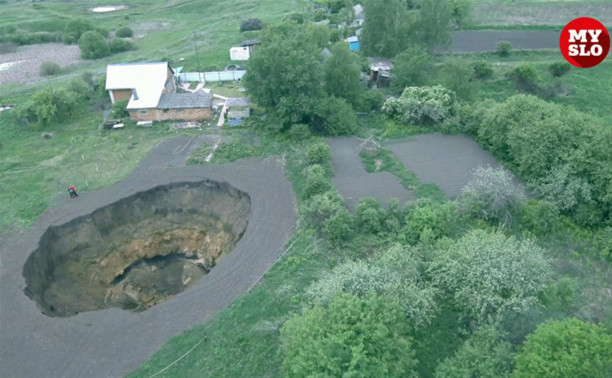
(137,252)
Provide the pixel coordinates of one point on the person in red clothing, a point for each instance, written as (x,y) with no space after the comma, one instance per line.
(72,191)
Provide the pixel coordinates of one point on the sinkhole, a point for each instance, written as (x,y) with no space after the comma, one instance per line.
(138,251)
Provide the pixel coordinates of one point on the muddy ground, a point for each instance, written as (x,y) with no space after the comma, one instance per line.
(113,342)
(486,40)
(447,161)
(354,182)
(24,64)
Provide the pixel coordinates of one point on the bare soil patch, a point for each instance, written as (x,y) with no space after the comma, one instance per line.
(447,161)
(24,64)
(354,182)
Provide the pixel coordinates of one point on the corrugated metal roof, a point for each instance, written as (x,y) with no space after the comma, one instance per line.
(148,79)
(198,99)
(353,39)
(238,101)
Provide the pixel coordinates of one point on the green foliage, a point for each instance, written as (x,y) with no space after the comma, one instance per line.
(93,45)
(428,106)
(568,348)
(118,45)
(299,132)
(487,274)
(485,354)
(353,337)
(564,189)
(318,153)
(318,34)
(120,108)
(370,215)
(525,77)
(539,217)
(79,88)
(124,32)
(322,207)
(342,74)
(339,227)
(458,77)
(50,105)
(383,35)
(75,29)
(250,24)
(491,195)
(483,70)
(427,220)
(461,13)
(504,48)
(317,181)
(50,68)
(434,26)
(558,69)
(411,68)
(370,100)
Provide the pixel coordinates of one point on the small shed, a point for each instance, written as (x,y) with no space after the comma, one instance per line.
(237,109)
(240,53)
(359,15)
(380,71)
(196,106)
(353,43)
(250,44)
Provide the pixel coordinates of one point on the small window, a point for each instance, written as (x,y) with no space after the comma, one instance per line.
(143,112)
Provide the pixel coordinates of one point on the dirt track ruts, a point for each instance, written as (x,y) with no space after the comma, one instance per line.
(113,342)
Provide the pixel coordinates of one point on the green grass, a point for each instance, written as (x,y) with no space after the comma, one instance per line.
(226,89)
(409,180)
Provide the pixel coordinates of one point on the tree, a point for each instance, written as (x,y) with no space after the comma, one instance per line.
(525,77)
(342,74)
(52,104)
(74,29)
(353,337)
(118,45)
(428,106)
(486,353)
(491,195)
(568,348)
(48,68)
(488,274)
(250,24)
(458,77)
(460,12)
(434,25)
(386,28)
(412,68)
(318,153)
(124,32)
(93,46)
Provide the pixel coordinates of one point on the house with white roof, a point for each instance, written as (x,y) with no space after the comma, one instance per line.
(152,93)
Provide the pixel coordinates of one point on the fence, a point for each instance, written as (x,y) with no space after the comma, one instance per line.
(211,76)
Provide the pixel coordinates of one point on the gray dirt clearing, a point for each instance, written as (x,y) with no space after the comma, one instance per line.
(113,342)
(24,64)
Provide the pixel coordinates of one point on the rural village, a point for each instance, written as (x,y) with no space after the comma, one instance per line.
(363,188)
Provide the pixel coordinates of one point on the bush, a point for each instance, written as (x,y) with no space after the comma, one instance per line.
(80,88)
(93,46)
(458,77)
(120,45)
(250,24)
(563,188)
(525,76)
(124,32)
(491,195)
(120,109)
(75,29)
(339,227)
(483,70)
(52,105)
(504,48)
(429,106)
(431,219)
(370,100)
(334,116)
(50,68)
(370,215)
(539,217)
(322,207)
(299,132)
(317,181)
(412,68)
(558,69)
(318,153)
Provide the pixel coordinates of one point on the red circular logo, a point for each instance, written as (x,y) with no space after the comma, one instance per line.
(584,42)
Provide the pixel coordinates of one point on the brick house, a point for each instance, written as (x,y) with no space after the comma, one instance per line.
(152,93)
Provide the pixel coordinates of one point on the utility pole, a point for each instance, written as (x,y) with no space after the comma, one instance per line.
(196,50)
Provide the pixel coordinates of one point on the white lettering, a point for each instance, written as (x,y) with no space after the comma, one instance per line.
(573,50)
(596,50)
(583,51)
(581,35)
(595,35)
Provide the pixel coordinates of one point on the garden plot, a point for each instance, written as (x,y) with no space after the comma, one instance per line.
(447,161)
(354,182)
(539,14)
(24,64)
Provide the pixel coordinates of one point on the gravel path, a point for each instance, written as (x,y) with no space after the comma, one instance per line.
(474,41)
(113,342)
(354,182)
(447,161)
(24,64)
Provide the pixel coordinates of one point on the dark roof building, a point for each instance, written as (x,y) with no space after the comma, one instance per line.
(198,99)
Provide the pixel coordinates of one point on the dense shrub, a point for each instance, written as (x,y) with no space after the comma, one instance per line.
(488,274)
(299,132)
(322,207)
(80,88)
(317,181)
(318,153)
(120,109)
(93,46)
(370,215)
(431,106)
(23,37)
(370,100)
(525,77)
(503,48)
(567,348)
(483,70)
(564,189)
(458,77)
(491,195)
(250,24)
(124,32)
(352,337)
(75,29)
(412,68)
(558,69)
(50,68)
(120,45)
(46,106)
(539,217)
(428,219)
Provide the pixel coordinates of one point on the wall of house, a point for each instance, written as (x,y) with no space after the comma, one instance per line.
(198,114)
(170,85)
(121,94)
